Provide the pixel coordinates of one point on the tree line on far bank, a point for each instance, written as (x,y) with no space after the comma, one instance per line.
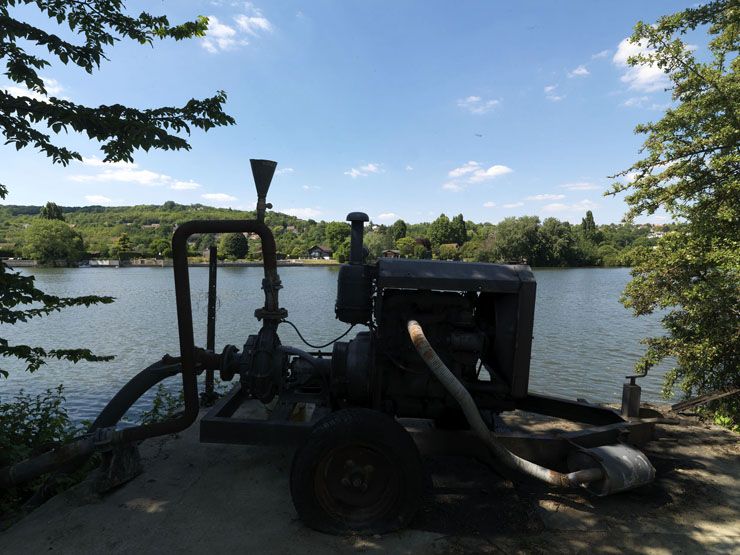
(53,234)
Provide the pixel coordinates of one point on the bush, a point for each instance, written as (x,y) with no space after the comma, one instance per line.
(164,406)
(30,426)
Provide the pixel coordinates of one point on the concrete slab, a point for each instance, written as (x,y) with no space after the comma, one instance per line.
(194,497)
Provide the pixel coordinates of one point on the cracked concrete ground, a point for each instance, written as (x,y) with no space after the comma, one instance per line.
(194,498)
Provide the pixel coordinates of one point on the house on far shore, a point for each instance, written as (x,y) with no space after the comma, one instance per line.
(318,252)
(391,253)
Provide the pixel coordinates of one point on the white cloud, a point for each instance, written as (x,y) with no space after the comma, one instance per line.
(551,93)
(409,168)
(452,186)
(581,186)
(580,206)
(643,102)
(253,24)
(185,185)
(220,37)
(98,199)
(310,187)
(580,71)
(473,172)
(643,77)
(489,204)
(52,86)
(545,196)
(125,172)
(513,205)
(220,198)
(283,171)
(490,173)
(466,168)
(305,213)
(477,105)
(363,171)
(602,54)
(387,216)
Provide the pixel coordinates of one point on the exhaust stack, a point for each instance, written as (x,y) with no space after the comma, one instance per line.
(262,171)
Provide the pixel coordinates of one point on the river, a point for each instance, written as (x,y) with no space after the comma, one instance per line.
(585,341)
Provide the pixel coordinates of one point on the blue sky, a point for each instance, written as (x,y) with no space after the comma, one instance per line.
(399,109)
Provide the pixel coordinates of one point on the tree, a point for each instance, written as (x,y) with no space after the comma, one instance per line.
(51,240)
(336,233)
(161,247)
(517,240)
(397,230)
(234,245)
(52,212)
(440,231)
(458,231)
(691,169)
(448,251)
(341,254)
(588,225)
(405,246)
(376,242)
(122,246)
(120,129)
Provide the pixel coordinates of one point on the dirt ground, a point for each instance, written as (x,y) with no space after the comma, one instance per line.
(202,498)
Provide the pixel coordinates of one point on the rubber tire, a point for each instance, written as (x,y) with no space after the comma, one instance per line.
(358,426)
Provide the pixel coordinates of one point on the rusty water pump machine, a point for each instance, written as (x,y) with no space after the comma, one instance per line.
(445,347)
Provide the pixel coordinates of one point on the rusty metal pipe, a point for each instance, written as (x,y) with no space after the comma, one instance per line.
(469,408)
(270,285)
(103,435)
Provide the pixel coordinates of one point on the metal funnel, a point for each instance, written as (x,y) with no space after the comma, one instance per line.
(262,170)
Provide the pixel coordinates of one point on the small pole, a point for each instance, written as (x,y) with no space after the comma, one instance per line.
(211,324)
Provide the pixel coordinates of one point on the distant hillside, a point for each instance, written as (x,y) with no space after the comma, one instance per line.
(547,243)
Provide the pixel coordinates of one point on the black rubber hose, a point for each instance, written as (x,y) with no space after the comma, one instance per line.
(132,392)
(76,452)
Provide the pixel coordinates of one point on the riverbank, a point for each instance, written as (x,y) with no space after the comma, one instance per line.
(165,263)
(195,498)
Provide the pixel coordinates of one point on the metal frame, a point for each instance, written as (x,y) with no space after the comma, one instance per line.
(220,425)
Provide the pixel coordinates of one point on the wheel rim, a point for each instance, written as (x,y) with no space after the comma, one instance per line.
(356,484)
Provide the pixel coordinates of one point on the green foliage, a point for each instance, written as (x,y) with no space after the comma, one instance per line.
(121,129)
(52,212)
(458,230)
(164,406)
(162,247)
(29,426)
(397,230)
(588,225)
(441,231)
(691,169)
(341,253)
(122,247)
(518,240)
(50,240)
(336,233)
(448,251)
(234,245)
(405,245)
(101,226)
(378,241)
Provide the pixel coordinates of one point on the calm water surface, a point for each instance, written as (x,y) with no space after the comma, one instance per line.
(584,340)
